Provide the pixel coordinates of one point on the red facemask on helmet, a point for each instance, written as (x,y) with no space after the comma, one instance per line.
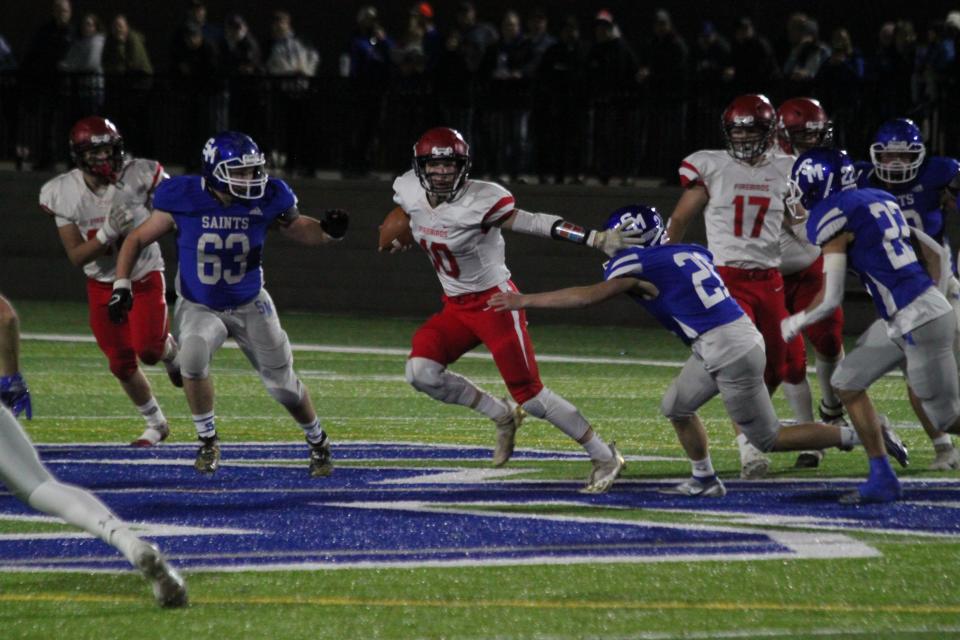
(748,126)
(441,160)
(803,125)
(94,133)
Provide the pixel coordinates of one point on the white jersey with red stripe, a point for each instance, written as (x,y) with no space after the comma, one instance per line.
(462,238)
(745,211)
(70,201)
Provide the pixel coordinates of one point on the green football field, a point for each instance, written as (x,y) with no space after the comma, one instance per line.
(906,587)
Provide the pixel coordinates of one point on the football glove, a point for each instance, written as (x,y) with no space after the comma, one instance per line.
(614,240)
(118,223)
(120,302)
(15,394)
(335,223)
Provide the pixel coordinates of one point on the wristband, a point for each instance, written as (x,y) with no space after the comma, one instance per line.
(122,283)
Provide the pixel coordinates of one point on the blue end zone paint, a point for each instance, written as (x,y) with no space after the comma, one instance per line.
(271,516)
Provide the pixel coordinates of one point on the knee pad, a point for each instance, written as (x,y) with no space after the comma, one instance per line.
(671,407)
(846,379)
(123,365)
(762,438)
(432,378)
(194,357)
(283,385)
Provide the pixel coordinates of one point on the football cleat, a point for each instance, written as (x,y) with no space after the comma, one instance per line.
(947,457)
(697,488)
(507,432)
(321,461)
(208,455)
(152,436)
(604,472)
(753,464)
(832,415)
(169,588)
(809,459)
(892,443)
(874,490)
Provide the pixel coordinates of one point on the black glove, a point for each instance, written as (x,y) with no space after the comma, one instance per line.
(120,304)
(335,223)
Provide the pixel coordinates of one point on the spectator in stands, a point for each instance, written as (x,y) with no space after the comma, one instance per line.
(194,58)
(805,57)
(8,62)
(665,70)
(125,50)
(127,66)
(43,120)
(239,50)
(612,72)
(503,136)
(293,58)
(432,38)
(753,65)
(198,91)
(538,41)
(197,14)
(369,77)
(408,55)
(83,60)
(561,107)
(839,83)
(935,59)
(475,37)
(710,56)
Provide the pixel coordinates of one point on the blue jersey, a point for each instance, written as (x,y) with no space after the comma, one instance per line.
(692,298)
(220,247)
(881,252)
(919,199)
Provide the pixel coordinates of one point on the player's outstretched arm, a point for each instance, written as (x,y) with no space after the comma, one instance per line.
(313,232)
(121,301)
(551,226)
(689,206)
(570,298)
(830,296)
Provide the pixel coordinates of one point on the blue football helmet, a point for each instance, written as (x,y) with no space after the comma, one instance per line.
(816,174)
(227,160)
(639,217)
(898,151)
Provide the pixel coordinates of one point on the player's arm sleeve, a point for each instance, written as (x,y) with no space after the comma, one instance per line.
(288,216)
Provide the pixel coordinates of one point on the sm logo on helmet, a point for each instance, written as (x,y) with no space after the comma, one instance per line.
(811,170)
(209,151)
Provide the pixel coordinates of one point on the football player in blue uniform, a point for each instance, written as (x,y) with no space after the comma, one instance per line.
(221,220)
(866,230)
(677,285)
(926,187)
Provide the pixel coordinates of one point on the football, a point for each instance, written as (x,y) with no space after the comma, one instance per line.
(395,231)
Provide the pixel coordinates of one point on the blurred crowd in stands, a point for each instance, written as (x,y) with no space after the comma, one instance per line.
(540,97)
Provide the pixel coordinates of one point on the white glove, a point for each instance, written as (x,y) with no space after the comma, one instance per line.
(791,326)
(614,240)
(118,223)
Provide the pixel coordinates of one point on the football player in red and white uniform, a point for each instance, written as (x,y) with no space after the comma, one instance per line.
(94,206)
(740,190)
(802,125)
(458,223)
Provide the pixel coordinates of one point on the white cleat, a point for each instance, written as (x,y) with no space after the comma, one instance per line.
(152,436)
(947,458)
(169,589)
(753,464)
(507,432)
(605,472)
(696,488)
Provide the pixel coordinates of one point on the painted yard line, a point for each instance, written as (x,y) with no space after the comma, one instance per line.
(387,351)
(345,601)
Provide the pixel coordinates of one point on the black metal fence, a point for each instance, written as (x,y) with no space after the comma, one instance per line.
(516,127)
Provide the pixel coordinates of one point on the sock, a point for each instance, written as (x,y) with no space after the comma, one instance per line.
(742,442)
(703,469)
(849,437)
(491,407)
(598,449)
(943,440)
(152,414)
(313,431)
(825,370)
(205,424)
(82,509)
(800,400)
(880,469)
